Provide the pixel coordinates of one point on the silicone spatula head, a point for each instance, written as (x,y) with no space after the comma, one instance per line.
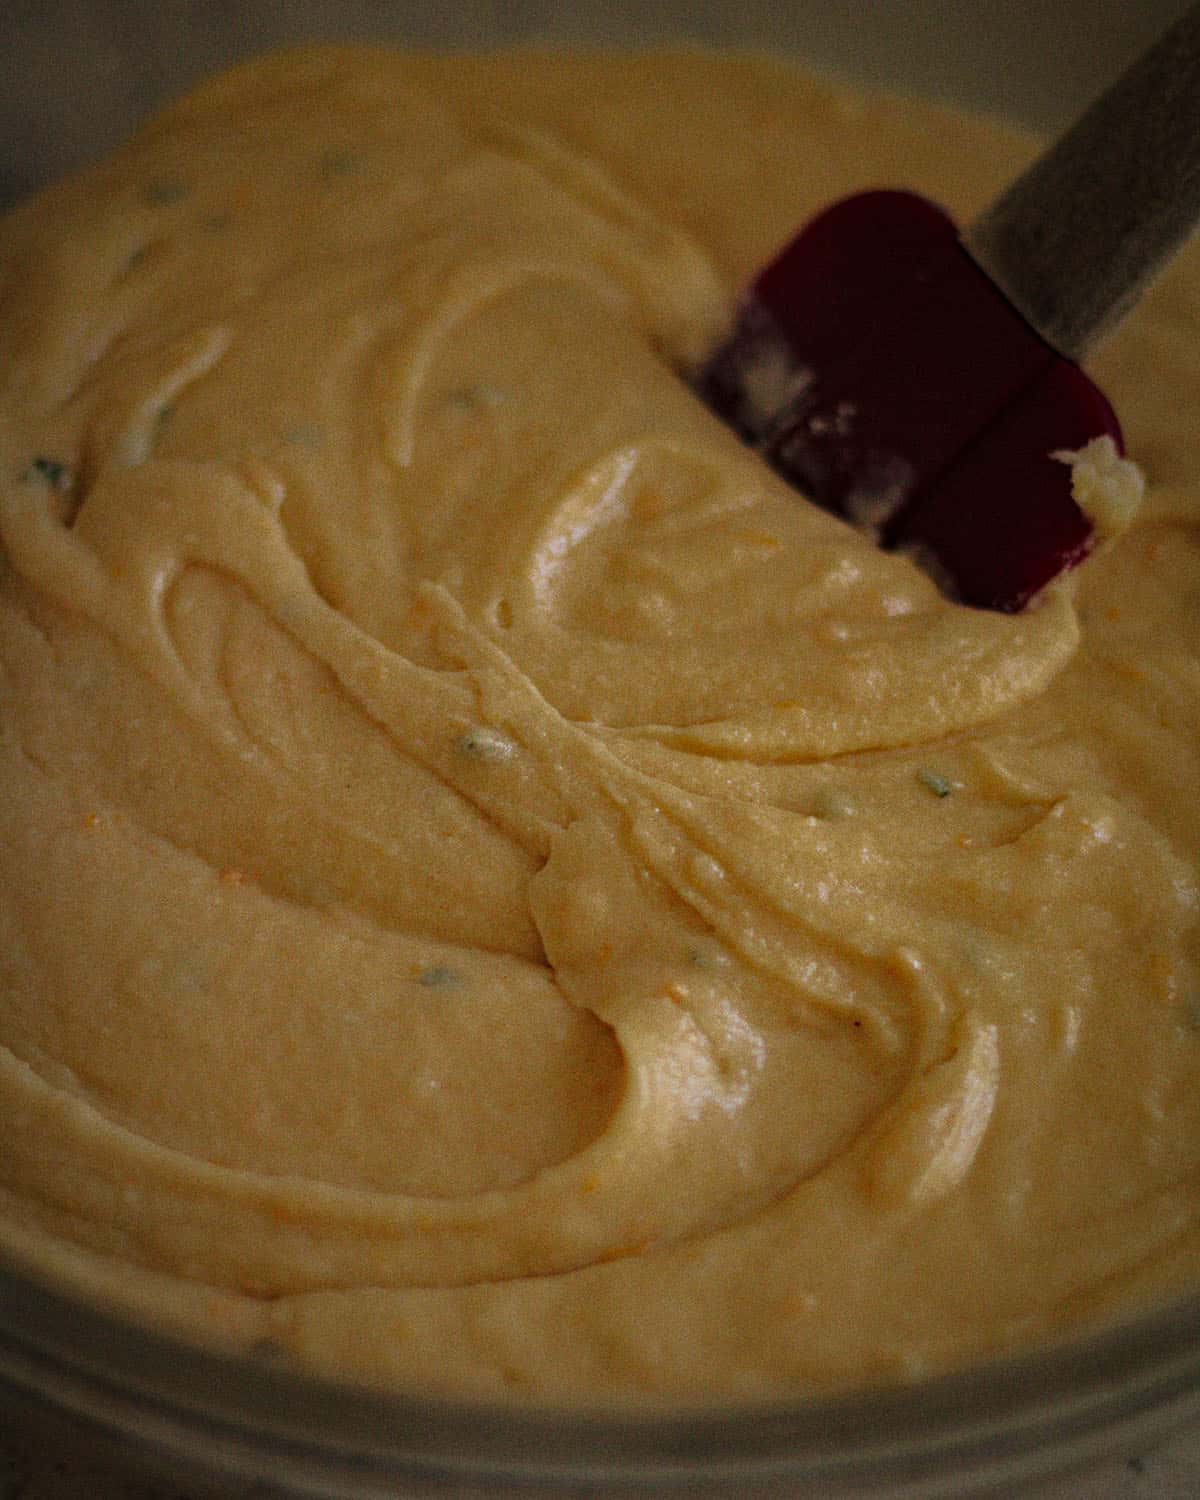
(883,374)
(923,384)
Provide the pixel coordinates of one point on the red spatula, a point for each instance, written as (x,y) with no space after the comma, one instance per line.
(924,383)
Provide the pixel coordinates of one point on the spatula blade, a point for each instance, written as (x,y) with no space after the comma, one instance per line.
(877,368)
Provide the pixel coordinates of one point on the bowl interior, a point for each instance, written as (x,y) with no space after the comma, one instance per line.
(75,79)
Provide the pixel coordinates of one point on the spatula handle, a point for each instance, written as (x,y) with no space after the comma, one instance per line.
(1074,241)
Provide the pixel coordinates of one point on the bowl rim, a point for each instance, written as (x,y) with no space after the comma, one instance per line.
(1011,1418)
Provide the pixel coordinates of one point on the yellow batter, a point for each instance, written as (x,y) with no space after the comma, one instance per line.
(498,895)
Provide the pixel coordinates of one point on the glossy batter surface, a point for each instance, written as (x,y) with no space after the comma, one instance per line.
(498,895)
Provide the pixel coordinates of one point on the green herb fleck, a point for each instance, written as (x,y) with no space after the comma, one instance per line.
(337,161)
(162,192)
(1191,1010)
(707,959)
(469,398)
(935,782)
(303,435)
(159,423)
(831,802)
(50,472)
(487,745)
(439,977)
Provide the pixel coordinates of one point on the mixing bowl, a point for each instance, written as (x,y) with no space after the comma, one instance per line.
(74,78)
